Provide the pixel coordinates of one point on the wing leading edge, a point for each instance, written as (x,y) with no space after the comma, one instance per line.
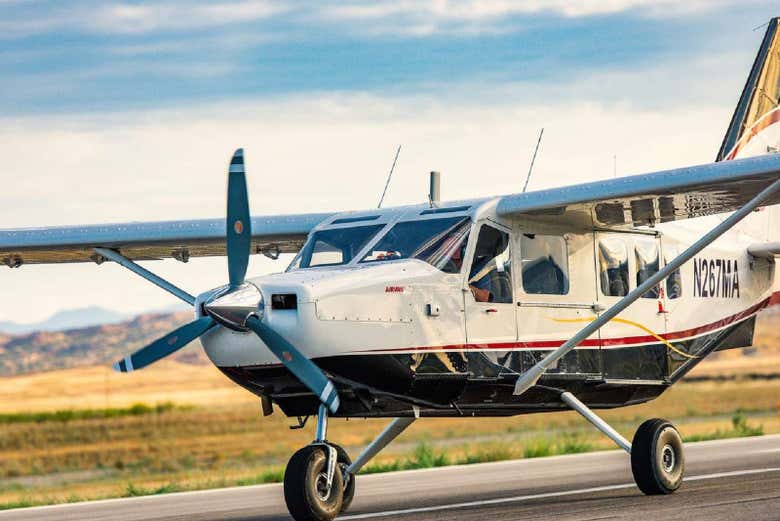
(151,240)
(648,199)
(630,201)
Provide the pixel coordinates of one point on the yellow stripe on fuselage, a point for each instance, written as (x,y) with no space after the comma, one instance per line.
(636,325)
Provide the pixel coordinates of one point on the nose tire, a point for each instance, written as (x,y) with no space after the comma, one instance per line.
(305,491)
(657,460)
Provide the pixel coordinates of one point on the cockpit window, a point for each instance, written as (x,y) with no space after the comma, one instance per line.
(490,279)
(334,247)
(439,242)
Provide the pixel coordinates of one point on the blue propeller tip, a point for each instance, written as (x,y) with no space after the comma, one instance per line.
(237,162)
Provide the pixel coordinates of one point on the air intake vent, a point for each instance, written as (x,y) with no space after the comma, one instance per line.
(284,301)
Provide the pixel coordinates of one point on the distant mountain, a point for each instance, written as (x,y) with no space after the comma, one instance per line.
(66,319)
(75,319)
(93,345)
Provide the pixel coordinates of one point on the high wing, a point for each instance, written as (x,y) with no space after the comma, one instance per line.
(151,240)
(648,199)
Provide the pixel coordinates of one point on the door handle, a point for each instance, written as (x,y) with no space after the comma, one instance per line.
(491,310)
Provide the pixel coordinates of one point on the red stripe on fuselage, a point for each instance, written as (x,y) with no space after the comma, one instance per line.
(773,300)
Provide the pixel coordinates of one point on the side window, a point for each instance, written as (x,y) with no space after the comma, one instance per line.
(490,278)
(613,266)
(674,281)
(647,264)
(545,265)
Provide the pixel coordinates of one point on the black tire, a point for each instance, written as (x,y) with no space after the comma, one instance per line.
(303,486)
(344,461)
(657,459)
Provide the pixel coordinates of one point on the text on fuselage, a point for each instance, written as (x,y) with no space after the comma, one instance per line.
(715,278)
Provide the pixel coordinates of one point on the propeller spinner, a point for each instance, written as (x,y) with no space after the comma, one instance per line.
(239,305)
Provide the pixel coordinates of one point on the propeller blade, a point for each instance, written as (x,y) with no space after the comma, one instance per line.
(304,369)
(164,346)
(239,225)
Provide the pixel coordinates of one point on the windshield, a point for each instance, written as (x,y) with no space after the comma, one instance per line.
(334,247)
(439,242)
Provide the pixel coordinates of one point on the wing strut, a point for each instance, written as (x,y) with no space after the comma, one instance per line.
(146,274)
(530,377)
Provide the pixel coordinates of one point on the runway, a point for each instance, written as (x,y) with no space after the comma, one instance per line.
(726,480)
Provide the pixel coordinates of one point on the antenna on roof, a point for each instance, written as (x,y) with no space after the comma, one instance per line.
(388,177)
(434,191)
(533,160)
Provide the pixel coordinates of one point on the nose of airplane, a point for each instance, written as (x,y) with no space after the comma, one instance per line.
(233,308)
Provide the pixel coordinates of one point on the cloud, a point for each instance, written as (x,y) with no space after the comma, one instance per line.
(138,18)
(424,18)
(493,9)
(357,17)
(165,16)
(305,153)
(325,148)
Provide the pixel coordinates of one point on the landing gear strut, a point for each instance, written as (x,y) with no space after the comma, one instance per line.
(313,480)
(319,482)
(657,459)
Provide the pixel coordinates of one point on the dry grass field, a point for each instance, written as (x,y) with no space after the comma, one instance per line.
(210,433)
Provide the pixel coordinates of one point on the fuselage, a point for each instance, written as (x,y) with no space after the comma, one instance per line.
(447,331)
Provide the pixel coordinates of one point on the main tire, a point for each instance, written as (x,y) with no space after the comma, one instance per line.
(345,461)
(305,486)
(657,459)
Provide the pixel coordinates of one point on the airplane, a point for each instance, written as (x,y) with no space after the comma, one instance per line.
(584,297)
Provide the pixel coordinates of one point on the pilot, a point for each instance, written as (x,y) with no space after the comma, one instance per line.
(481,277)
(455,264)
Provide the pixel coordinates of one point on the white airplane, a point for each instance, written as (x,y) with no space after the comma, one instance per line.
(591,296)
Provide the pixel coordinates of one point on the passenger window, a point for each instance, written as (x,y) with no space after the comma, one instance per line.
(613,267)
(647,264)
(673,281)
(490,278)
(545,264)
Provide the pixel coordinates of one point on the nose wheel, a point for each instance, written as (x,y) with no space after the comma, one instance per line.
(312,491)
(317,484)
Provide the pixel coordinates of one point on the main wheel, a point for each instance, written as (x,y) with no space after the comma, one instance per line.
(657,460)
(306,489)
(344,462)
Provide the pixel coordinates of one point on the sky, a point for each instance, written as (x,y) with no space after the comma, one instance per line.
(113,112)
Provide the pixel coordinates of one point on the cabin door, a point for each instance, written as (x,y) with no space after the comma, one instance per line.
(556,298)
(633,343)
(488,298)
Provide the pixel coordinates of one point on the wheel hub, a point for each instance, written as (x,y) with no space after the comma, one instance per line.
(323,490)
(668,458)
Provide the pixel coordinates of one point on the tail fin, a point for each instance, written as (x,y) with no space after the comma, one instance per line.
(755,126)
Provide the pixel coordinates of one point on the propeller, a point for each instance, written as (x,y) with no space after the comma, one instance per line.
(303,368)
(239,224)
(239,305)
(166,345)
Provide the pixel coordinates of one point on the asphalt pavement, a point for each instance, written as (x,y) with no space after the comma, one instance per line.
(730,480)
